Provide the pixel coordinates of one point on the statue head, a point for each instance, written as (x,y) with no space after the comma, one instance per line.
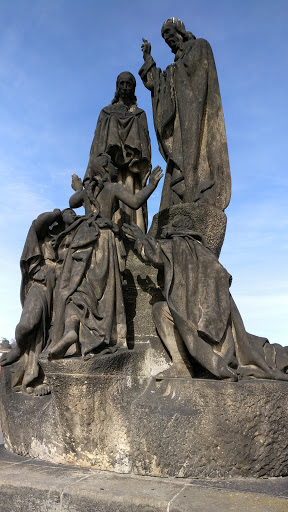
(100,169)
(68,216)
(180,223)
(175,34)
(125,88)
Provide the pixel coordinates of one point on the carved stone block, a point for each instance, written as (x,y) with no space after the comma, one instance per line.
(110,413)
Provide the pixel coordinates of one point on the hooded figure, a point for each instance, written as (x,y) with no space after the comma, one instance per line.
(198,320)
(38,268)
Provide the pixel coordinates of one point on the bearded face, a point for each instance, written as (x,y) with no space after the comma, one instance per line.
(172,37)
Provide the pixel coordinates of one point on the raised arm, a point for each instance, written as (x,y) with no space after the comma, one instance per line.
(134,201)
(77,199)
(148,71)
(146,49)
(148,248)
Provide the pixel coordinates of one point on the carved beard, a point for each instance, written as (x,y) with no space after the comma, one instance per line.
(175,46)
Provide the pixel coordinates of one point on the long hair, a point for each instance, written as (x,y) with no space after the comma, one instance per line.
(116,96)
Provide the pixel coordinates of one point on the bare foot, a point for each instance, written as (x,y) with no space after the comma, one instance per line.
(10,357)
(279,375)
(108,350)
(42,389)
(227,374)
(60,349)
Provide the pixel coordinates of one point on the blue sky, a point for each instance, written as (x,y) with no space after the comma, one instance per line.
(58,65)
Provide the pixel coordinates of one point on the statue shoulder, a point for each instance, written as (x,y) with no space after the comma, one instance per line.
(107,110)
(197,43)
(138,111)
(197,48)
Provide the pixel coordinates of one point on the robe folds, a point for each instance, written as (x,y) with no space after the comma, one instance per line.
(90,283)
(37,265)
(196,289)
(123,134)
(190,129)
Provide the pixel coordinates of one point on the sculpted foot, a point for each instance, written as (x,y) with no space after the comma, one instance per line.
(279,375)
(62,346)
(226,373)
(42,389)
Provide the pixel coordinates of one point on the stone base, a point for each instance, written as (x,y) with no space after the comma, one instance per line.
(36,486)
(110,413)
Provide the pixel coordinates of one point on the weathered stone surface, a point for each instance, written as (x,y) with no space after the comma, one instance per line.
(188,119)
(37,486)
(110,413)
(208,220)
(141,291)
(122,125)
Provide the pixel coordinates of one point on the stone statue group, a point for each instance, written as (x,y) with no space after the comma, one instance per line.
(72,266)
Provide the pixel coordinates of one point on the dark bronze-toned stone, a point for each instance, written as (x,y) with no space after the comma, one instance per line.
(134,357)
(89,306)
(207,220)
(39,272)
(198,319)
(188,119)
(122,132)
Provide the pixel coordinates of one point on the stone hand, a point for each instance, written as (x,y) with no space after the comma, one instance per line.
(103,222)
(156,176)
(132,231)
(146,48)
(77,184)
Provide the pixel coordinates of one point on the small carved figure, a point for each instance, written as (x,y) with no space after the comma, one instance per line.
(122,133)
(198,320)
(89,307)
(39,268)
(188,119)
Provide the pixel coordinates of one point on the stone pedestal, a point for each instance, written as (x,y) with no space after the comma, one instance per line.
(110,413)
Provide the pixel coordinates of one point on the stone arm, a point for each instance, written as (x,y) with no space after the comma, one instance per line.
(77,199)
(45,220)
(148,248)
(148,72)
(135,201)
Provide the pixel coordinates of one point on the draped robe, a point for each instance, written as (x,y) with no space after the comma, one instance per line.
(196,289)
(189,125)
(37,265)
(123,134)
(90,283)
